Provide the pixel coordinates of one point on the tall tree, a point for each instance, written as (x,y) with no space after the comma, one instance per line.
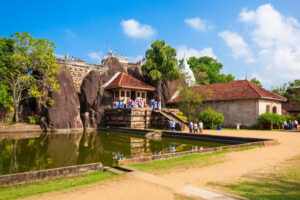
(207,70)
(161,64)
(290,90)
(28,67)
(256,82)
(189,102)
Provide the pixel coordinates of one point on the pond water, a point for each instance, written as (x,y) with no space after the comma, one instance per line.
(59,150)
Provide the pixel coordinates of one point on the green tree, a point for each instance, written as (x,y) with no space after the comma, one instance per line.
(207,70)
(161,64)
(189,102)
(289,90)
(256,82)
(211,118)
(28,67)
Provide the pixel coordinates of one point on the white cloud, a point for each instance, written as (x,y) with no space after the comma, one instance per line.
(95,56)
(186,52)
(238,46)
(135,29)
(277,41)
(197,23)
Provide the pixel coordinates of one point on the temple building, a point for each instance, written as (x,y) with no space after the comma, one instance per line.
(124,87)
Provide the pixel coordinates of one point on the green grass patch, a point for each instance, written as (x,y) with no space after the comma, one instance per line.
(186,161)
(62,184)
(282,184)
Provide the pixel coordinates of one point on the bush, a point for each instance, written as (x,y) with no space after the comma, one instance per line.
(271,120)
(298,117)
(211,118)
(34,119)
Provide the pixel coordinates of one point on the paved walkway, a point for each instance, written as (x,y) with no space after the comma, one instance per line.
(192,181)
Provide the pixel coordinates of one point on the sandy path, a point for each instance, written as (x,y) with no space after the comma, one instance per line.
(123,188)
(241,163)
(236,165)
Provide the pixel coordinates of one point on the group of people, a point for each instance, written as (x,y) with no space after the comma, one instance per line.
(289,125)
(155,104)
(196,127)
(137,103)
(172,125)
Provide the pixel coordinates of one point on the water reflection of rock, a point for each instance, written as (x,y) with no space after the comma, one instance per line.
(63,149)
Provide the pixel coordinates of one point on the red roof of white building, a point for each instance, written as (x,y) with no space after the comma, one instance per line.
(235,90)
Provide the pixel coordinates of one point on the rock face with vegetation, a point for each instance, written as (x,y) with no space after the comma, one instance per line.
(64,113)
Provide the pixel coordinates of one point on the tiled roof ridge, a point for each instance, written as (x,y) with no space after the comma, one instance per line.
(121,77)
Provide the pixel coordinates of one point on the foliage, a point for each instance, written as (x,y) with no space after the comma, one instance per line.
(161,62)
(256,82)
(211,118)
(271,120)
(5,98)
(33,119)
(182,116)
(63,184)
(189,102)
(289,90)
(28,67)
(207,70)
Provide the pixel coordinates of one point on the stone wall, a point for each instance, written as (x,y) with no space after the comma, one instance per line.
(244,112)
(79,69)
(28,177)
(131,118)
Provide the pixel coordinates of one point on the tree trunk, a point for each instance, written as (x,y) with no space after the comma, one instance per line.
(159,92)
(16,113)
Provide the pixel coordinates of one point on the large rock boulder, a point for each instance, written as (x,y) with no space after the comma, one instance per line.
(64,114)
(168,89)
(93,98)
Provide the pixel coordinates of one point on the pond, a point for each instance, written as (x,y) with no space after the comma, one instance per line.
(60,150)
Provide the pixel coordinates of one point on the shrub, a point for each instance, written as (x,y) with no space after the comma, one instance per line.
(271,120)
(34,119)
(298,117)
(211,118)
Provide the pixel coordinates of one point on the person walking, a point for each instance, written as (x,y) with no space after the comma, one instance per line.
(201,126)
(191,127)
(196,131)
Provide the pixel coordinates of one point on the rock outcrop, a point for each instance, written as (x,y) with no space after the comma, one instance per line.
(93,99)
(64,113)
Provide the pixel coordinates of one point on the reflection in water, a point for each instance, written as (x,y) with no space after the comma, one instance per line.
(59,150)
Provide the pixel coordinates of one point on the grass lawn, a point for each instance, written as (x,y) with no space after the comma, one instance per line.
(62,184)
(187,161)
(282,184)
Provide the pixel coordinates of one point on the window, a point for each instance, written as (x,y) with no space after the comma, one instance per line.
(116,94)
(274,109)
(143,95)
(268,109)
(127,94)
(122,93)
(138,94)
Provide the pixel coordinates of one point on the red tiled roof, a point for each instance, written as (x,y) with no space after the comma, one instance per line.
(235,90)
(124,80)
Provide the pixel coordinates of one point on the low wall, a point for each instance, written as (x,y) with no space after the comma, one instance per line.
(48,174)
(195,150)
(131,118)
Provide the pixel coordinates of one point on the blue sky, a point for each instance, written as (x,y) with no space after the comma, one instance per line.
(257,38)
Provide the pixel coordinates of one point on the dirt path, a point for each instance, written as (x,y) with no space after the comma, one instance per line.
(241,163)
(236,165)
